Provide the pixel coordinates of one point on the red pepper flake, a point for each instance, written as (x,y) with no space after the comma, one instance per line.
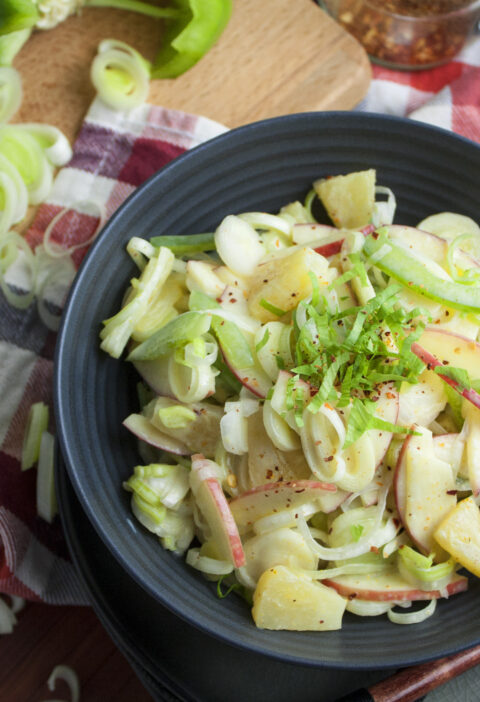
(382,30)
(452,492)
(374,549)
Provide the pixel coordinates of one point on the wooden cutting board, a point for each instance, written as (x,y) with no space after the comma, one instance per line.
(275,57)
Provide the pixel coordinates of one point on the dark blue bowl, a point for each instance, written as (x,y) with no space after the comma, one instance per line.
(260,166)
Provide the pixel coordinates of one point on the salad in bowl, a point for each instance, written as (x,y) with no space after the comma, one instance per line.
(309,420)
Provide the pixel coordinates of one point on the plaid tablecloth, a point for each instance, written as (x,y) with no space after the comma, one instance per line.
(113,154)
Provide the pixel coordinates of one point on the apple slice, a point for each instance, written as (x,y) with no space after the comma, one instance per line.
(213,505)
(399,481)
(423,401)
(275,497)
(322,238)
(440,347)
(472,426)
(267,463)
(281,546)
(201,433)
(155,374)
(449,448)
(239,359)
(425,491)
(386,408)
(390,587)
(145,431)
(429,245)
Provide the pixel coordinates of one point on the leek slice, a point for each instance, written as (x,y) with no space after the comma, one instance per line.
(10,92)
(7,618)
(37,423)
(54,143)
(46,497)
(20,198)
(7,196)
(53,283)
(207,565)
(120,75)
(177,332)
(420,572)
(412,617)
(68,675)
(56,251)
(117,329)
(25,153)
(12,248)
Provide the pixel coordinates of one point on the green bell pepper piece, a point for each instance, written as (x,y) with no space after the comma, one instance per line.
(16,15)
(188,38)
(398,264)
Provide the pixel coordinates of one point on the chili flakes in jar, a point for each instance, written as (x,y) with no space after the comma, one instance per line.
(408,33)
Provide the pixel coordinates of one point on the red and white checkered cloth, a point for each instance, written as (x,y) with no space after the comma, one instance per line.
(113,154)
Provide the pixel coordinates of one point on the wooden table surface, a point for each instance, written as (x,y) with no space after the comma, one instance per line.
(46,636)
(276,57)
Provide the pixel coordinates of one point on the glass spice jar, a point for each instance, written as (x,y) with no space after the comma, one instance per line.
(408,34)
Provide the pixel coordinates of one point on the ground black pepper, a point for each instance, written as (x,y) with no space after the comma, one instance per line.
(408,33)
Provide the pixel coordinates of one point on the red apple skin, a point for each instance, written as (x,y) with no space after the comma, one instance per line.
(258,387)
(399,482)
(399,487)
(330,249)
(433,362)
(217,494)
(215,508)
(407,595)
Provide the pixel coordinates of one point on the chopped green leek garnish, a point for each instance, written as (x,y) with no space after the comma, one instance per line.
(345,355)
(263,341)
(272,308)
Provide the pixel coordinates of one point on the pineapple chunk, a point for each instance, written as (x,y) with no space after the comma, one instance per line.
(459,534)
(287,599)
(348,199)
(283,281)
